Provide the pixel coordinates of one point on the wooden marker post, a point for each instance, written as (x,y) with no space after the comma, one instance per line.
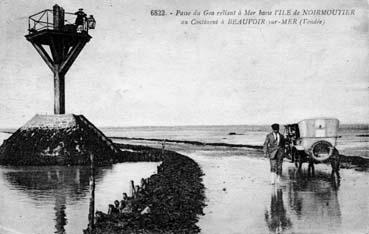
(132,189)
(91,213)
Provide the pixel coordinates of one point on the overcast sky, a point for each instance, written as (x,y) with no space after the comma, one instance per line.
(144,70)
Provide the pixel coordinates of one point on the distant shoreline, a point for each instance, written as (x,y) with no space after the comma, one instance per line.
(187,142)
(363,126)
(354,162)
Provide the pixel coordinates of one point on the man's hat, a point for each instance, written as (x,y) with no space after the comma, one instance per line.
(275,126)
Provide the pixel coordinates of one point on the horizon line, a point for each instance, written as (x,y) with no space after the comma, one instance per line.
(187,125)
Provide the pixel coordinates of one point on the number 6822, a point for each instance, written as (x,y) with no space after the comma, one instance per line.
(157,12)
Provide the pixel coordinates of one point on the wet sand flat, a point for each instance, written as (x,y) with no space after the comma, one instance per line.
(240,198)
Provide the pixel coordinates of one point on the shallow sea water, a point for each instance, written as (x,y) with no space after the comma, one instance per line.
(55,199)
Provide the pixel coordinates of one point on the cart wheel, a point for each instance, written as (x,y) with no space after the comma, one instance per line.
(321,151)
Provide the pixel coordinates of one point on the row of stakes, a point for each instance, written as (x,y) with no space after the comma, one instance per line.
(125,205)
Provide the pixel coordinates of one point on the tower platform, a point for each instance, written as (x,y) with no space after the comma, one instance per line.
(47,37)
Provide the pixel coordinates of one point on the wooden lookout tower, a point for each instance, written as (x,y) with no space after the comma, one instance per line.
(65,34)
(59,139)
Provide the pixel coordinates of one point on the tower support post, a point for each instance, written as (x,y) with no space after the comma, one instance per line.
(59,94)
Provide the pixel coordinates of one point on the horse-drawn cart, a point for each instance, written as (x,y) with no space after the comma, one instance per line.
(313,141)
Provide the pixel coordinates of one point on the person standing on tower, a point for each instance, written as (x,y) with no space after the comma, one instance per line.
(274,149)
(80,20)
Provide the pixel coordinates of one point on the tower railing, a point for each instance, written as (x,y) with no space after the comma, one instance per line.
(44,20)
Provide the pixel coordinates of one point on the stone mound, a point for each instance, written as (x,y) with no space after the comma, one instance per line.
(57,140)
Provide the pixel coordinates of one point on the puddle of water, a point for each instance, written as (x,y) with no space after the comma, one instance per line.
(55,199)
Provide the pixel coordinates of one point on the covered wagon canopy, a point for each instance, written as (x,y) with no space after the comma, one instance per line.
(318,127)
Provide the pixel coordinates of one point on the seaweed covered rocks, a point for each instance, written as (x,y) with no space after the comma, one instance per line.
(167,202)
(57,140)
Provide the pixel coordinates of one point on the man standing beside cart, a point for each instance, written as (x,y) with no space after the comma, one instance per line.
(274,149)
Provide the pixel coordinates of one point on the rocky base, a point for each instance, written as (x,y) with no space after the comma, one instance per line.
(58,140)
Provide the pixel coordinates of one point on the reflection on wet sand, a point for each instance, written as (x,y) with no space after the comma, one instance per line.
(60,216)
(314,199)
(276,218)
(52,182)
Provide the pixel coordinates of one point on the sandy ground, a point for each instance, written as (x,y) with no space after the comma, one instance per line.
(240,198)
